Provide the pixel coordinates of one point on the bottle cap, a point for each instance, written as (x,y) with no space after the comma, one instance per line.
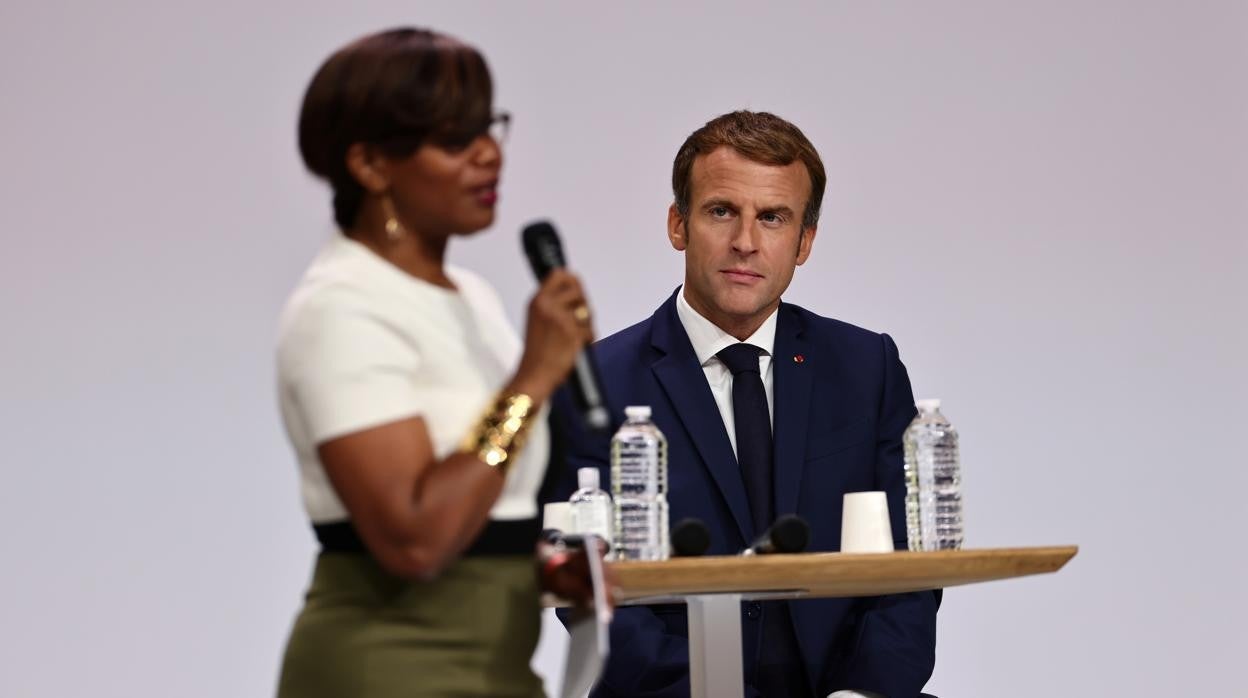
(587,478)
(931,404)
(637,412)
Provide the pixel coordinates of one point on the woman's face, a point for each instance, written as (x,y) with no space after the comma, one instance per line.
(440,190)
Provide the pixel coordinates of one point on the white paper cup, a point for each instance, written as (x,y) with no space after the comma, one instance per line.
(557,515)
(864,524)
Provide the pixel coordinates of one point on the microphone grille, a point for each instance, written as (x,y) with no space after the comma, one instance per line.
(690,538)
(542,247)
(790,534)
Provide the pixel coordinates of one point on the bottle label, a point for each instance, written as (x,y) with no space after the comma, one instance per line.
(593,517)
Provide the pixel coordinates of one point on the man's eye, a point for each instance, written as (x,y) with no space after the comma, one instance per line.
(771,218)
(719,211)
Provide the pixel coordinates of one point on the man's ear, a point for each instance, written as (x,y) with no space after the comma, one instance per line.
(369,168)
(805,243)
(677,229)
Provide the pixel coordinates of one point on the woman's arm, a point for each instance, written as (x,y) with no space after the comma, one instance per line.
(414,514)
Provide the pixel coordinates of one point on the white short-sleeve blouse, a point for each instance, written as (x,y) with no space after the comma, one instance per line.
(362,343)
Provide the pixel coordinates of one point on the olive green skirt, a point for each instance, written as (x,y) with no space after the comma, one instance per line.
(368,634)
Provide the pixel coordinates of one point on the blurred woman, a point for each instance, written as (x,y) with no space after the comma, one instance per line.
(417,416)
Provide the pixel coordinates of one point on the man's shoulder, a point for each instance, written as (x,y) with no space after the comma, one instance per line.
(626,342)
(821,326)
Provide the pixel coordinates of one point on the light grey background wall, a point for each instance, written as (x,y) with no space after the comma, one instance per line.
(1046,204)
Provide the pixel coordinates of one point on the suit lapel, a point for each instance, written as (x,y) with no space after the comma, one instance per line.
(684,382)
(793,369)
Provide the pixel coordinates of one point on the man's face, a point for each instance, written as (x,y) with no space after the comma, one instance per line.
(742,238)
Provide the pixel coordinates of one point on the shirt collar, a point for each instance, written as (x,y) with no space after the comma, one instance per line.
(708,340)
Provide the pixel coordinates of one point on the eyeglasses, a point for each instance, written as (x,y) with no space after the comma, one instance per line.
(497,128)
(500,126)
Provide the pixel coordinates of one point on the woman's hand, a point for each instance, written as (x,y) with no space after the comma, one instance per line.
(558,328)
(565,573)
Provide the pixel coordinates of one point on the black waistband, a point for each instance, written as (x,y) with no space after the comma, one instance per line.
(499,538)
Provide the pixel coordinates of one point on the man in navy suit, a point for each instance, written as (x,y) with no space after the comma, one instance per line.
(768,409)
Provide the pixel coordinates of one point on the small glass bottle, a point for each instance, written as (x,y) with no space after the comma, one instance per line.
(591,507)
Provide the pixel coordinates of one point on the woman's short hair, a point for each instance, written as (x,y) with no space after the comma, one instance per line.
(758,136)
(394,90)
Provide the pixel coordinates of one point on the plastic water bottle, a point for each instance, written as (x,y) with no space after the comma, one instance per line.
(591,507)
(639,488)
(933,481)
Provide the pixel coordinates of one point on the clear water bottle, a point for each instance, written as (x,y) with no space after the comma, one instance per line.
(591,507)
(639,488)
(933,481)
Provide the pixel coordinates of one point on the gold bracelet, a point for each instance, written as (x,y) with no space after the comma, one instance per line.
(500,433)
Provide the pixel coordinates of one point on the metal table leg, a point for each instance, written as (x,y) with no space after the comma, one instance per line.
(715,669)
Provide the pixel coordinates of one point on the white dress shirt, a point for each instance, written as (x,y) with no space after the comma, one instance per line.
(708,340)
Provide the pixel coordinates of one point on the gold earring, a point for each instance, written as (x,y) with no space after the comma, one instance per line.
(394,231)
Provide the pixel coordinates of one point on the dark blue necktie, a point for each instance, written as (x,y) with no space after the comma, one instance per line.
(778,670)
(753,427)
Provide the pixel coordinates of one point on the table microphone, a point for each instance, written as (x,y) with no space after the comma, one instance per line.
(789,534)
(541,245)
(690,538)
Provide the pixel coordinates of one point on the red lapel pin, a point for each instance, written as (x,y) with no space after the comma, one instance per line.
(798,358)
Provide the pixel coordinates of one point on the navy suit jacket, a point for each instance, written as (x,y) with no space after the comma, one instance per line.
(842,401)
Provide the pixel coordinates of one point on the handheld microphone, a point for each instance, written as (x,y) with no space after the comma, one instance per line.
(690,538)
(789,534)
(541,245)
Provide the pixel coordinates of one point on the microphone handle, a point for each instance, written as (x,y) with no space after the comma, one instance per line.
(545,252)
(585,389)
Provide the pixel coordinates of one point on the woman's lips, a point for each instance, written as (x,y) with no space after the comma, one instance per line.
(486,194)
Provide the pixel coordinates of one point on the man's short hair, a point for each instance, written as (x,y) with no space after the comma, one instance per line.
(758,136)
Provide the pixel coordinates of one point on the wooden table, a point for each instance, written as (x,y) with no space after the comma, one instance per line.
(714,587)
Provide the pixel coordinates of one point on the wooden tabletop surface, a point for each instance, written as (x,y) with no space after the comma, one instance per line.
(831,574)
